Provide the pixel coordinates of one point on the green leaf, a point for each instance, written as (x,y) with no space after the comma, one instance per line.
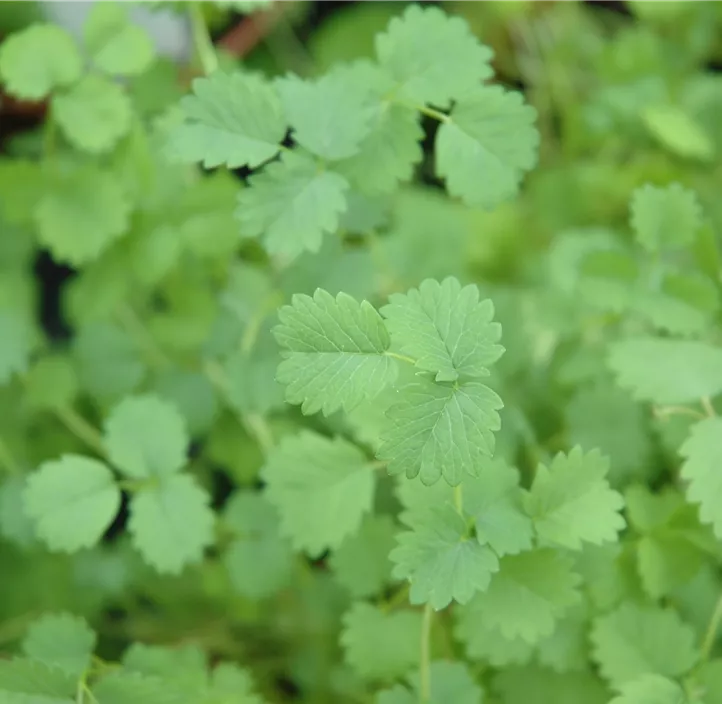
(485,146)
(666,371)
(440,559)
(185,664)
(171,524)
(94,114)
(321,488)
(703,458)
(521,685)
(81,213)
(665,218)
(258,560)
(571,502)
(441,430)
(72,501)
(528,594)
(38,59)
(25,681)
(449,682)
(132,688)
(678,131)
(61,640)
(494,500)
(51,383)
(361,563)
(15,345)
(146,437)
(231,685)
(635,640)
(445,328)
(336,352)
(432,57)
(651,689)
(331,115)
(380,645)
(116,45)
(15,525)
(230,118)
(252,383)
(291,204)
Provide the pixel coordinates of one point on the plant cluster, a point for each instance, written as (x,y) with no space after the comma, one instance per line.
(382,383)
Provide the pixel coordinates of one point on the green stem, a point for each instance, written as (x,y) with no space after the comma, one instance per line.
(80,427)
(711,634)
(708,407)
(425,657)
(458,499)
(205,51)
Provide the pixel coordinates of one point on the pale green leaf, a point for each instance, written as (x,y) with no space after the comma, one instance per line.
(291,204)
(131,688)
(15,525)
(665,218)
(450,682)
(72,501)
(651,689)
(93,114)
(81,213)
(678,131)
(703,460)
(666,371)
(380,645)
(321,488)
(486,145)
(635,640)
(361,563)
(528,595)
(230,685)
(51,382)
(441,430)
(230,118)
(186,665)
(60,640)
(336,352)
(571,501)
(331,115)
(432,57)
(146,437)
(441,560)
(171,524)
(38,59)
(116,45)
(445,328)
(24,681)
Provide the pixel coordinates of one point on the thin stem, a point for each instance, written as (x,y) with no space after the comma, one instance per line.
(708,407)
(400,596)
(662,411)
(430,112)
(402,357)
(711,634)
(80,427)
(205,51)
(425,656)
(458,499)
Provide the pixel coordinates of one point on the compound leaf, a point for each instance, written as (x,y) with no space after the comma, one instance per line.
(666,371)
(38,59)
(571,501)
(291,204)
(441,430)
(636,640)
(230,118)
(60,640)
(321,488)
(445,328)
(431,56)
(703,459)
(335,352)
(23,680)
(94,114)
(146,437)
(440,560)
(171,524)
(72,501)
(485,146)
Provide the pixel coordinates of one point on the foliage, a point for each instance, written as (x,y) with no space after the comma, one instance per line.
(349,372)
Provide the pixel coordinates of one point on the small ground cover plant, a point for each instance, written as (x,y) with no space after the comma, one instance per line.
(379,364)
